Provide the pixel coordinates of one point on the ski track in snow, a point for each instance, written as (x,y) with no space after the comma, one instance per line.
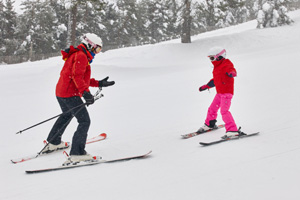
(154,101)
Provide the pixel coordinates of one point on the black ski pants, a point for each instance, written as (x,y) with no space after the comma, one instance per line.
(83,119)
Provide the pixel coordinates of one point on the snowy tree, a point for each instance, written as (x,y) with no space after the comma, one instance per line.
(8,28)
(49,25)
(273,13)
(207,13)
(90,13)
(282,9)
(232,12)
(61,15)
(109,25)
(74,8)
(199,17)
(294,4)
(239,10)
(173,18)
(38,26)
(128,30)
(155,19)
(2,25)
(225,13)
(252,7)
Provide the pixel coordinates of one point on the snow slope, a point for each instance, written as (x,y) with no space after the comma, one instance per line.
(154,101)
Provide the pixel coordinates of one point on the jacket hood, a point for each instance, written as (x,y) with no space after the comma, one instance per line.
(69,51)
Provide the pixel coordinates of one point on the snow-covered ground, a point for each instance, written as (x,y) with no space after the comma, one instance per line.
(154,101)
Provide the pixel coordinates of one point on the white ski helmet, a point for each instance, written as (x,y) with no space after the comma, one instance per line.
(215,52)
(91,40)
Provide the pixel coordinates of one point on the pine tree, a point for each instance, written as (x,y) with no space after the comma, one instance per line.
(10,23)
(273,13)
(109,25)
(232,12)
(38,27)
(143,22)
(173,19)
(294,4)
(238,10)
(207,14)
(49,25)
(89,13)
(252,7)
(155,20)
(282,9)
(80,14)
(61,15)
(2,25)
(128,21)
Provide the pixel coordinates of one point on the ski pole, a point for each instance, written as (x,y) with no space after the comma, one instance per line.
(48,119)
(59,131)
(96,97)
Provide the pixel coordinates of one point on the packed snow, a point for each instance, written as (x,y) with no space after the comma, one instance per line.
(154,101)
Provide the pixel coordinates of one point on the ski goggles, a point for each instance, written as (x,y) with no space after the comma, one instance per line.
(212,58)
(96,49)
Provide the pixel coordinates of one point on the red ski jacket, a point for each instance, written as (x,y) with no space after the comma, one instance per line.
(75,76)
(224,83)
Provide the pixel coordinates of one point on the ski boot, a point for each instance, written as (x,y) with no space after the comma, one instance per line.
(75,159)
(233,134)
(204,128)
(52,147)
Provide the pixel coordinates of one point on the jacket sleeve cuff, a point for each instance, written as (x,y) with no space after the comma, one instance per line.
(211,83)
(94,83)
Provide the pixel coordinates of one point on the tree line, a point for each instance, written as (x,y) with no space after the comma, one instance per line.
(46,26)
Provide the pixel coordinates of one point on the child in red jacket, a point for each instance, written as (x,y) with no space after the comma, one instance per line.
(223,79)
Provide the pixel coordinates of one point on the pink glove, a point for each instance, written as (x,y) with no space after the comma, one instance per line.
(203,87)
(210,84)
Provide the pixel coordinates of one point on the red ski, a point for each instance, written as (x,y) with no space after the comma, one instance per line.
(97,138)
(189,135)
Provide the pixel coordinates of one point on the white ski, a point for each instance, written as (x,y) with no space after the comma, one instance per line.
(83,164)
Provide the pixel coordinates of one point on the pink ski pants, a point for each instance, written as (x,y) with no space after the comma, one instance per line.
(222,101)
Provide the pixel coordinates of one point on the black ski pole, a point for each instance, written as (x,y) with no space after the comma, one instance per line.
(49,119)
(54,136)
(96,96)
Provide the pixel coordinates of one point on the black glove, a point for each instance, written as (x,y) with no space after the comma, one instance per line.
(105,83)
(88,97)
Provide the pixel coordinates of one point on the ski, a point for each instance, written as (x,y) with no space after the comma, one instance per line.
(83,164)
(189,135)
(227,139)
(97,138)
